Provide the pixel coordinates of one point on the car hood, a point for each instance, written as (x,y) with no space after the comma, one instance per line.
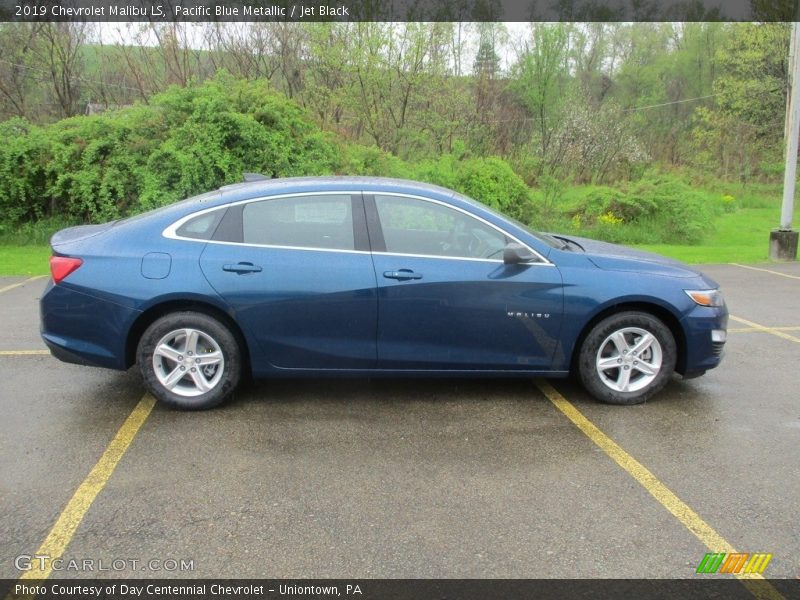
(77,233)
(613,257)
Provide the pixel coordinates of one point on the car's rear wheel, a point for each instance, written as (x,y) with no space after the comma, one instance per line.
(627,357)
(189,360)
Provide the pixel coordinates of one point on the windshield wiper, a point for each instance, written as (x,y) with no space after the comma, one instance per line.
(567,243)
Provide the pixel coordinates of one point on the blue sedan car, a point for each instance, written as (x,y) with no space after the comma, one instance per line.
(365,277)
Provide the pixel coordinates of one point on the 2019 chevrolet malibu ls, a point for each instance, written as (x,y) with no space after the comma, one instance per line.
(367,277)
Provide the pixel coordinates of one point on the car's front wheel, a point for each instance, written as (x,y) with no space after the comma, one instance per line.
(627,357)
(189,360)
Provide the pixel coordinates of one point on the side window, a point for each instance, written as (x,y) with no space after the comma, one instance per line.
(201,227)
(324,221)
(412,226)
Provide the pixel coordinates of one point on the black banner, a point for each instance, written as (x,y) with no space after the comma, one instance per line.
(398,10)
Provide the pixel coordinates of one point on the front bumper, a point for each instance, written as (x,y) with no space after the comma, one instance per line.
(706,333)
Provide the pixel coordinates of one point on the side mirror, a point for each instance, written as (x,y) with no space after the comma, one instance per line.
(515,254)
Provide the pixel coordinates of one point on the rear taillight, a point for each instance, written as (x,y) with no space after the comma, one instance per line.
(61,266)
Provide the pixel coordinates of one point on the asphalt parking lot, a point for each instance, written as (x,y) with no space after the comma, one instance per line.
(399,479)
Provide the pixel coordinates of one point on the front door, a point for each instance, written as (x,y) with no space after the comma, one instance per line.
(446,300)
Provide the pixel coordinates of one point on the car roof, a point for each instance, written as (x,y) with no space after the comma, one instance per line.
(271,187)
(264,188)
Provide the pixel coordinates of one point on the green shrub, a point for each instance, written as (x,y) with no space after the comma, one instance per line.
(95,164)
(226,127)
(662,209)
(356,159)
(23,160)
(488,180)
(187,140)
(493,181)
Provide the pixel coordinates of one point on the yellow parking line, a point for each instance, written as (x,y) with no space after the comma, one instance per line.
(765,271)
(61,534)
(772,330)
(680,510)
(16,285)
(24,352)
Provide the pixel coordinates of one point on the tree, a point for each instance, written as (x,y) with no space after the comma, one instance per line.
(18,74)
(541,81)
(741,134)
(60,53)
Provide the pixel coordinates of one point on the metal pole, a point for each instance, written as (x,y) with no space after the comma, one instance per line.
(793,131)
(788,96)
(783,241)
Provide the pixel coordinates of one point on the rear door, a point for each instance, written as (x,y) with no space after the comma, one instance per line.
(446,300)
(297,273)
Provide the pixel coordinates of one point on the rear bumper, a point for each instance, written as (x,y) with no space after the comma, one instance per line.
(63,354)
(81,329)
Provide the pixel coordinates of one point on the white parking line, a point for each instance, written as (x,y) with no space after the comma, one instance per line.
(765,271)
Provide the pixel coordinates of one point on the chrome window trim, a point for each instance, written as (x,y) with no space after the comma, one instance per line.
(170,231)
(275,247)
(488,260)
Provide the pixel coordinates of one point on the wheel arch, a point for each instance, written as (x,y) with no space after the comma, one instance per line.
(660,312)
(160,309)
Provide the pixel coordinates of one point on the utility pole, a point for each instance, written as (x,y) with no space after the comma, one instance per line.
(783,241)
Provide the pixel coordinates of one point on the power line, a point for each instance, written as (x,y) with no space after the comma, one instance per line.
(694,99)
(526,119)
(635,108)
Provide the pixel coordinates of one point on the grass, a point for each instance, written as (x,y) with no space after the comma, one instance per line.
(25,249)
(741,237)
(36,233)
(24,260)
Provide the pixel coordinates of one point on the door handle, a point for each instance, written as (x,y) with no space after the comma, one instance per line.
(242,267)
(402,274)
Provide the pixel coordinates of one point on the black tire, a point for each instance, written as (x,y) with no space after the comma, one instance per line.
(629,324)
(211,340)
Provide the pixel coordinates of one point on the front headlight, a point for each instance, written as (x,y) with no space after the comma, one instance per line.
(706,297)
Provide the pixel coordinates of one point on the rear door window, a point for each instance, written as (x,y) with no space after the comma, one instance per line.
(323,221)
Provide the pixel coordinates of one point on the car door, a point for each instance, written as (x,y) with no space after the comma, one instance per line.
(446,300)
(298,276)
